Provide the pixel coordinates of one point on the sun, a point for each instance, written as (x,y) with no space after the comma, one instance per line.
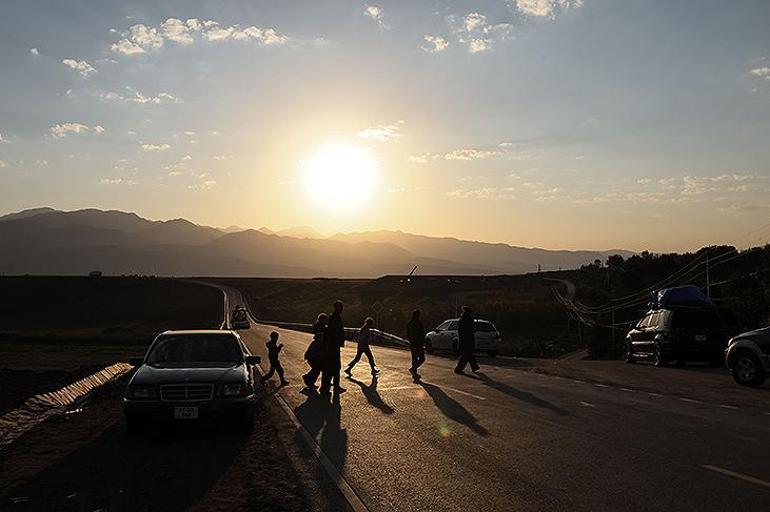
(341,177)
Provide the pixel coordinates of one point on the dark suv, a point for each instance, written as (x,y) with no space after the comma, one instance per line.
(681,334)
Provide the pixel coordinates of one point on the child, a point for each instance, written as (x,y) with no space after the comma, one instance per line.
(272,355)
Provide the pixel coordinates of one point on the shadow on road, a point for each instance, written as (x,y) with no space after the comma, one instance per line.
(452,409)
(524,396)
(372,395)
(321,417)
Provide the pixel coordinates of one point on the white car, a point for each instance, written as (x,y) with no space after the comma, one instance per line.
(445,337)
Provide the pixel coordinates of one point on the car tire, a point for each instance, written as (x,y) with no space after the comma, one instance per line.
(747,369)
(658,357)
(628,355)
(492,353)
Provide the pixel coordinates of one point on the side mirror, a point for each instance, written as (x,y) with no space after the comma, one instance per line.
(253,359)
(136,361)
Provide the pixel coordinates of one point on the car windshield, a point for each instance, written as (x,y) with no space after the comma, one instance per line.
(485,327)
(697,319)
(195,348)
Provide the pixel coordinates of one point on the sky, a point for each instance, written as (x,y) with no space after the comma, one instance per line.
(563,124)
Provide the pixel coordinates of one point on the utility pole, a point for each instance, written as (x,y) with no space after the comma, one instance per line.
(708,279)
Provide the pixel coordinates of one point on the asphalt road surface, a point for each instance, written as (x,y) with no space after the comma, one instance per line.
(506,439)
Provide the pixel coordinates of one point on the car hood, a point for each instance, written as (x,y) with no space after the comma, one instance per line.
(755,334)
(147,374)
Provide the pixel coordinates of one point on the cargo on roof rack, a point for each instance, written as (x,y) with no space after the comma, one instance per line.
(688,295)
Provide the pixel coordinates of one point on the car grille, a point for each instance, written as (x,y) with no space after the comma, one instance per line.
(186,392)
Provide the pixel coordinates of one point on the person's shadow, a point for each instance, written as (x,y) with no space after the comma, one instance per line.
(372,395)
(452,409)
(322,420)
(524,396)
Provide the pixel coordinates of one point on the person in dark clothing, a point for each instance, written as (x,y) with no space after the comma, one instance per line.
(273,349)
(314,352)
(334,339)
(415,333)
(467,341)
(362,340)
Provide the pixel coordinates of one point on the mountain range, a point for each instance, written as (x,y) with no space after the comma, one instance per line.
(49,241)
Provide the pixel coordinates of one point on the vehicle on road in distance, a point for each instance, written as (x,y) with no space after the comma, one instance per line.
(192,375)
(748,357)
(445,337)
(678,333)
(239,318)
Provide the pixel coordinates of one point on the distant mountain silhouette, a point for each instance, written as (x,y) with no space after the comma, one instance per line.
(47,241)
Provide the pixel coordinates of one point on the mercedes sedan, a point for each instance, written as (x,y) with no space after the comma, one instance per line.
(188,376)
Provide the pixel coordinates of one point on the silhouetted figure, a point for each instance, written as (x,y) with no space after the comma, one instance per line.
(314,352)
(415,333)
(466,334)
(273,349)
(334,339)
(363,337)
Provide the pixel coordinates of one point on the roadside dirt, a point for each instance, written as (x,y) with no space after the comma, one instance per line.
(84,461)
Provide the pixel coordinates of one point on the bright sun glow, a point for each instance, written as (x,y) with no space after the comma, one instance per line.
(341,177)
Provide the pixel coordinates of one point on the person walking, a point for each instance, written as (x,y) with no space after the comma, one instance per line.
(363,337)
(273,349)
(314,352)
(334,339)
(466,341)
(415,333)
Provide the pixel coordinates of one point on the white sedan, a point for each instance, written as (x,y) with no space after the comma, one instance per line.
(445,337)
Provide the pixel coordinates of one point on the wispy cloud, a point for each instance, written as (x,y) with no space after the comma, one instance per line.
(117,181)
(435,44)
(140,38)
(34,51)
(3,140)
(3,163)
(544,8)
(471,154)
(138,97)
(61,130)
(148,148)
(81,66)
(375,12)
(382,133)
(492,193)
(763,72)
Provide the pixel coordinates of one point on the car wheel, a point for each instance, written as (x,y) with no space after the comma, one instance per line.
(747,370)
(629,356)
(658,358)
(492,353)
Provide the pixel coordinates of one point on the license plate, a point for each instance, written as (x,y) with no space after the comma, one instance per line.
(701,337)
(185,413)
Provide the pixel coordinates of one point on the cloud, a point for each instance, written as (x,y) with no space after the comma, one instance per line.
(477,45)
(545,8)
(147,148)
(138,97)
(34,51)
(116,181)
(435,44)
(477,33)
(175,173)
(763,72)
(220,158)
(3,140)
(3,163)
(141,38)
(81,66)
(470,154)
(375,12)
(382,133)
(61,130)
(203,184)
(493,193)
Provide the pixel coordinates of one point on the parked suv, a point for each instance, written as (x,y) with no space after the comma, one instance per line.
(748,357)
(445,337)
(681,334)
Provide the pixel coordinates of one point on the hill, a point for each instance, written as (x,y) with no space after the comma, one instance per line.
(47,241)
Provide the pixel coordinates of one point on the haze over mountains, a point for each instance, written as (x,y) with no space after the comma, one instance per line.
(48,241)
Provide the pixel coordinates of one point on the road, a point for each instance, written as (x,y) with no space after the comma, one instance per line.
(507,439)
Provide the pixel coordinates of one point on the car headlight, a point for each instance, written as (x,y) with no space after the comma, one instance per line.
(231,389)
(142,392)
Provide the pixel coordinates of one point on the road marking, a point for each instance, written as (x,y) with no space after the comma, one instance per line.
(658,395)
(728,406)
(395,388)
(601,385)
(740,476)
(587,404)
(477,397)
(690,400)
(627,390)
